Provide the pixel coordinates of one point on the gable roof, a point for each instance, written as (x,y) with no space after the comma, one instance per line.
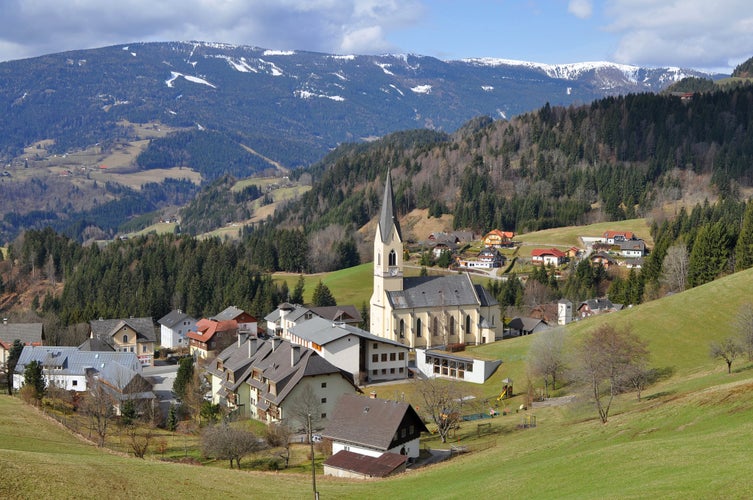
(207,328)
(229,313)
(629,235)
(321,331)
(381,466)
(525,324)
(72,361)
(104,329)
(541,252)
(369,422)
(432,291)
(27,333)
(174,317)
(346,313)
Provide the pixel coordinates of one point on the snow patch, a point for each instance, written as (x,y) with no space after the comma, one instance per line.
(133,54)
(570,71)
(397,89)
(487,88)
(340,76)
(174,75)
(348,57)
(274,69)
(384,67)
(305,94)
(421,89)
(278,53)
(125,48)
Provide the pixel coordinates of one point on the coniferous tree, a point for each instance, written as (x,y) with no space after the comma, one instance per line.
(297,297)
(12,361)
(34,378)
(184,377)
(323,296)
(744,247)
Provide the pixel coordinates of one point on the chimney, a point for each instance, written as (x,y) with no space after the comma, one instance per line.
(295,354)
(241,339)
(251,347)
(276,341)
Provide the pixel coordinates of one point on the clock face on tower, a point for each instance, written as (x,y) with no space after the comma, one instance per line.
(393,271)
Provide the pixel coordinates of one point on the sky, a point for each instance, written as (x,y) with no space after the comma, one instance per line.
(712,35)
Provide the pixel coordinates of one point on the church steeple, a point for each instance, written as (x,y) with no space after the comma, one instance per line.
(387,219)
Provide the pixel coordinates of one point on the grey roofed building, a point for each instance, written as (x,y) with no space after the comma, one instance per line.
(364,466)
(527,326)
(174,317)
(228,313)
(322,332)
(103,328)
(95,344)
(372,423)
(446,291)
(27,333)
(343,314)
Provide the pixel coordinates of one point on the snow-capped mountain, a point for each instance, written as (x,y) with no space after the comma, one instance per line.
(290,106)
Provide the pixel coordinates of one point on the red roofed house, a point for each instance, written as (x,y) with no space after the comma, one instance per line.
(613,237)
(497,238)
(547,257)
(211,337)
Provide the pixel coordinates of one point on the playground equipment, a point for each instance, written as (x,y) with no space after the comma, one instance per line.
(506,390)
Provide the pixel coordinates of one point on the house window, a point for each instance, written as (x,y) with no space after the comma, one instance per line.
(74,383)
(411,429)
(392,370)
(392,356)
(384,371)
(374,372)
(374,358)
(131,349)
(376,345)
(384,356)
(324,400)
(324,385)
(125,339)
(418,327)
(324,415)
(400,370)
(402,432)
(393,258)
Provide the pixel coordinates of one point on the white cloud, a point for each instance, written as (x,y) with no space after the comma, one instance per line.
(691,33)
(580,8)
(43,26)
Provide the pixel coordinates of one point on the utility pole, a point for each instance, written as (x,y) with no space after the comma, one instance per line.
(313,463)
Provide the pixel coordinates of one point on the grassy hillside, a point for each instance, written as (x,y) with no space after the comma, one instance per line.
(689,437)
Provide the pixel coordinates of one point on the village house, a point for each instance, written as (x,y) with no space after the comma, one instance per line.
(271,380)
(174,328)
(487,258)
(526,326)
(245,321)
(286,316)
(497,238)
(367,357)
(71,369)
(136,335)
(424,311)
(548,257)
(593,307)
(27,333)
(373,427)
(602,258)
(211,336)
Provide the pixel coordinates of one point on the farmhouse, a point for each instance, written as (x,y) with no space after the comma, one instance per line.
(27,333)
(497,238)
(548,257)
(593,307)
(134,335)
(526,326)
(211,336)
(429,310)
(174,328)
(373,427)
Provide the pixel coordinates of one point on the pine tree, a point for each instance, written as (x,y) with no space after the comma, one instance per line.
(33,378)
(744,247)
(183,377)
(297,297)
(322,296)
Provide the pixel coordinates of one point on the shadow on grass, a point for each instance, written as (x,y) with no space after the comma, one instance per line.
(658,395)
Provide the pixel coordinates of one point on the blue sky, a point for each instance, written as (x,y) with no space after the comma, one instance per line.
(701,34)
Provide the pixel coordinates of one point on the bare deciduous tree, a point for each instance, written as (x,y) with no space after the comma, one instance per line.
(297,411)
(546,357)
(743,325)
(675,268)
(225,442)
(278,436)
(139,441)
(442,403)
(99,407)
(727,350)
(604,360)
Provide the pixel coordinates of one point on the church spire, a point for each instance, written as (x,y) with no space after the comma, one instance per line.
(387,218)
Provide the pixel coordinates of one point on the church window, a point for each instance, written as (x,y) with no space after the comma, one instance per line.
(435,326)
(393,258)
(418,327)
(467,323)
(379,258)
(401,329)
(452,325)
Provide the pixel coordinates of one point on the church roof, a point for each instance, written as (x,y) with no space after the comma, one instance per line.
(434,291)
(387,217)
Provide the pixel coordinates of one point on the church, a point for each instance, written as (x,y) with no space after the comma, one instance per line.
(426,311)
